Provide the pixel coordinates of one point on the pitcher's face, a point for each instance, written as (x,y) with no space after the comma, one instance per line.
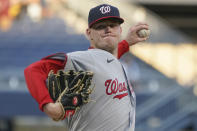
(105,35)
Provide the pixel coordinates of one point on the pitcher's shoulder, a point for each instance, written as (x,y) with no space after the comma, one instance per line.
(91,54)
(78,53)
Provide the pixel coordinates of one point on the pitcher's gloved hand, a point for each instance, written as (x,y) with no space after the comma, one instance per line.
(71,89)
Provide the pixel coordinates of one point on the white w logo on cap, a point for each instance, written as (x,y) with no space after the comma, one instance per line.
(105,9)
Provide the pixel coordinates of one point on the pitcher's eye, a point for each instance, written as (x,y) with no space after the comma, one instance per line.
(99,27)
(103,26)
(113,25)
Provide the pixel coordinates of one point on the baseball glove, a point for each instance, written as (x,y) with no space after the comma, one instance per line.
(71,89)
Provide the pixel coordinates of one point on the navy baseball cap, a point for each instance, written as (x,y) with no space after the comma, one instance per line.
(103,12)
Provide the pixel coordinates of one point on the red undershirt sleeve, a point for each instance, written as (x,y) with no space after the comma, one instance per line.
(36,75)
(123,47)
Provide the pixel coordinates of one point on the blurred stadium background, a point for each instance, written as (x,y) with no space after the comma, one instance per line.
(163,70)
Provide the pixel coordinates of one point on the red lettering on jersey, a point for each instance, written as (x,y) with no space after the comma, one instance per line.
(114,87)
(120,96)
(124,87)
(107,84)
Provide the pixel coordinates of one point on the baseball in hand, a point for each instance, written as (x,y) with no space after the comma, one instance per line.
(143,33)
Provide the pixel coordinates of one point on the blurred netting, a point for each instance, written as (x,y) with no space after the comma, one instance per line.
(25,43)
(162,104)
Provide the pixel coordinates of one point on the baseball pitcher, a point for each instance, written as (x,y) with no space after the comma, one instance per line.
(89,89)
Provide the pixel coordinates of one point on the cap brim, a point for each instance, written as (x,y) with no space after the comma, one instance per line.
(106,18)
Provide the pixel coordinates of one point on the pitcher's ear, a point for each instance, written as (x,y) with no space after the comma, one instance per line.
(88,33)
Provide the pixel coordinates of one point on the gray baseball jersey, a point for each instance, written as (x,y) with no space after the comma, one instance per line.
(113,106)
